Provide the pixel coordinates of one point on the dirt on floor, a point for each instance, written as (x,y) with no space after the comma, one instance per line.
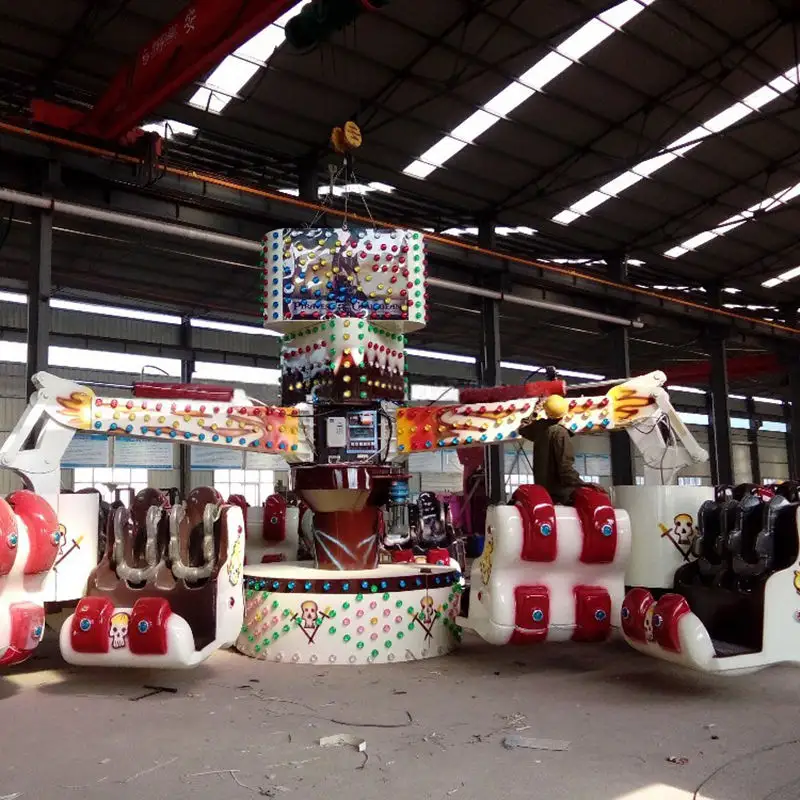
(620,727)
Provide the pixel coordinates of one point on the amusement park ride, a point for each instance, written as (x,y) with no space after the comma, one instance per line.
(715,589)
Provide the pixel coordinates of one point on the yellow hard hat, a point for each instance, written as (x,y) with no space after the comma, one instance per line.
(556,406)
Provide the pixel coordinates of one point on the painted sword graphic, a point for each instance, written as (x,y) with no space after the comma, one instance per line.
(76,545)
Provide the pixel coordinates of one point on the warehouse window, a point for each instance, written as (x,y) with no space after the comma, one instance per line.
(421,392)
(255,484)
(690,480)
(773,427)
(108,480)
(513,482)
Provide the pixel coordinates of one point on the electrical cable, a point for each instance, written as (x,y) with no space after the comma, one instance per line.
(388,417)
(671,442)
(441,395)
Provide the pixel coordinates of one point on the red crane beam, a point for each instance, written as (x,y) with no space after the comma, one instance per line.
(186,48)
(699,372)
(499,394)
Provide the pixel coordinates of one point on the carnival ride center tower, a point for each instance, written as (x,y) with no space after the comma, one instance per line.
(345,298)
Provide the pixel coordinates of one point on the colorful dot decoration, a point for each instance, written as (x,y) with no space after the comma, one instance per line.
(449,579)
(357,273)
(245,426)
(262,631)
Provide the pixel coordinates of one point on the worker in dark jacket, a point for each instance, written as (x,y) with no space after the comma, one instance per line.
(553,456)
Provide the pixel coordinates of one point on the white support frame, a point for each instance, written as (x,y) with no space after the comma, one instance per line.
(660,465)
(40,466)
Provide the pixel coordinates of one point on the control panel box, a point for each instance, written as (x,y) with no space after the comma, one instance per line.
(350,433)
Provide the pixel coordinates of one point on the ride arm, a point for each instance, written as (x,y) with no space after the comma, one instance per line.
(635,404)
(665,443)
(60,408)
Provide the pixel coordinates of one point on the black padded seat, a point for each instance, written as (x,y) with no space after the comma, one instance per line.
(708,526)
(790,490)
(716,520)
(733,618)
(742,490)
(763,540)
(774,547)
(741,541)
(432,530)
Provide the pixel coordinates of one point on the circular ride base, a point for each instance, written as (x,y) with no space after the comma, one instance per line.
(303,615)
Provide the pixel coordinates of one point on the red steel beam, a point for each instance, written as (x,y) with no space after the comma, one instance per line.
(188,47)
(699,372)
(499,394)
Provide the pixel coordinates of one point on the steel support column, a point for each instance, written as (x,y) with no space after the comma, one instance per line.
(307,179)
(489,368)
(622,468)
(712,453)
(187,370)
(720,417)
(40,279)
(752,440)
(792,416)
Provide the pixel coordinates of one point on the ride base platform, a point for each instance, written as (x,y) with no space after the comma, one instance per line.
(303,615)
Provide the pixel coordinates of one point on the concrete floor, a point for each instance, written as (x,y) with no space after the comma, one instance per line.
(238,728)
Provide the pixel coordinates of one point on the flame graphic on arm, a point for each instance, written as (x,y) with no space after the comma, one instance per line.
(627,403)
(77,409)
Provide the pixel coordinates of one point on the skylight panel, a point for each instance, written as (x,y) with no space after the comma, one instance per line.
(771,203)
(544,71)
(460,232)
(524,229)
(210,101)
(170,128)
(729,116)
(357,188)
(501,230)
(510,98)
(237,69)
(231,75)
(533,80)
(782,278)
(348,188)
(666,287)
(749,307)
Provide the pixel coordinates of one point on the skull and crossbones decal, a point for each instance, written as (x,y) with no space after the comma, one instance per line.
(118,630)
(310,619)
(648,623)
(427,616)
(485,561)
(682,534)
